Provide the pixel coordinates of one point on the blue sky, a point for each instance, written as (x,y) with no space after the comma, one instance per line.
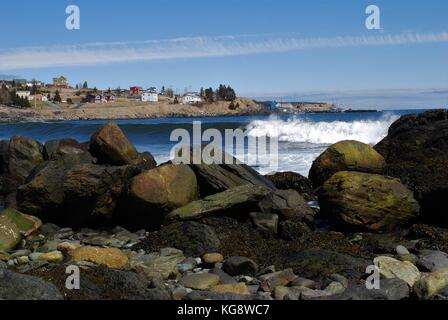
(262,48)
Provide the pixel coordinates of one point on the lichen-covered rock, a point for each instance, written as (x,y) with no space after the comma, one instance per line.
(14,225)
(200,281)
(111,146)
(9,234)
(109,257)
(392,268)
(237,201)
(431,284)
(361,201)
(416,151)
(238,288)
(345,156)
(154,193)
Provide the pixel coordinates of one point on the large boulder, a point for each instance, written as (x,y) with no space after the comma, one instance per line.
(111,146)
(238,201)
(15,286)
(54,149)
(288,204)
(392,268)
(18,157)
(362,201)
(154,193)
(416,151)
(431,284)
(345,156)
(74,194)
(294,181)
(216,178)
(14,224)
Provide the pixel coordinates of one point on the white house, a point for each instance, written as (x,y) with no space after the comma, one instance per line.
(24,94)
(149,96)
(191,98)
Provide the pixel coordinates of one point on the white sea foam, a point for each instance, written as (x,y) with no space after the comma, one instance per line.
(300,130)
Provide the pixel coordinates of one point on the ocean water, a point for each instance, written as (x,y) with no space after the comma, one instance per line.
(301,137)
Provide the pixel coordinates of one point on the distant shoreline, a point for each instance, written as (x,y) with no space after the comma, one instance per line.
(108,112)
(138,111)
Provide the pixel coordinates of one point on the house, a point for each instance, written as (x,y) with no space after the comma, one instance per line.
(93,98)
(136,91)
(191,98)
(60,82)
(24,94)
(38,97)
(110,98)
(148,96)
(100,98)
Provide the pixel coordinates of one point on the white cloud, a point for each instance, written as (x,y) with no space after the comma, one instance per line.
(186,48)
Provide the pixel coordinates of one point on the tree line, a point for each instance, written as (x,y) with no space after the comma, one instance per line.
(222,93)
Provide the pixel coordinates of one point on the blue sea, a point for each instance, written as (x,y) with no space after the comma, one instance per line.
(301,137)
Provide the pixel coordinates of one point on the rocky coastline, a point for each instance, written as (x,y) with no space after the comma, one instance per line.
(138,230)
(127,112)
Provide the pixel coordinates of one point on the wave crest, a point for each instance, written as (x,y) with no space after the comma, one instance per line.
(299,130)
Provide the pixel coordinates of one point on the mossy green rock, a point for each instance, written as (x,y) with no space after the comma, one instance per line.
(236,200)
(362,201)
(27,224)
(13,225)
(345,156)
(9,234)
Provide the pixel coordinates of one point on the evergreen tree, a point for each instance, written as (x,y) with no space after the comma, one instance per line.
(57,97)
(85,85)
(209,95)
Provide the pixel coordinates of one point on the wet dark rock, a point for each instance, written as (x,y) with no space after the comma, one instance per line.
(216,178)
(15,286)
(224,278)
(193,238)
(18,157)
(55,149)
(72,194)
(316,264)
(289,205)
(390,289)
(104,284)
(266,223)
(294,181)
(431,260)
(240,266)
(416,151)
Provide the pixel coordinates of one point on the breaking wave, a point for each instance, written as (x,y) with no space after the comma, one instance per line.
(300,130)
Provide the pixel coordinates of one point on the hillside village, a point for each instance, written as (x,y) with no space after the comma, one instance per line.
(37,93)
(24,100)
